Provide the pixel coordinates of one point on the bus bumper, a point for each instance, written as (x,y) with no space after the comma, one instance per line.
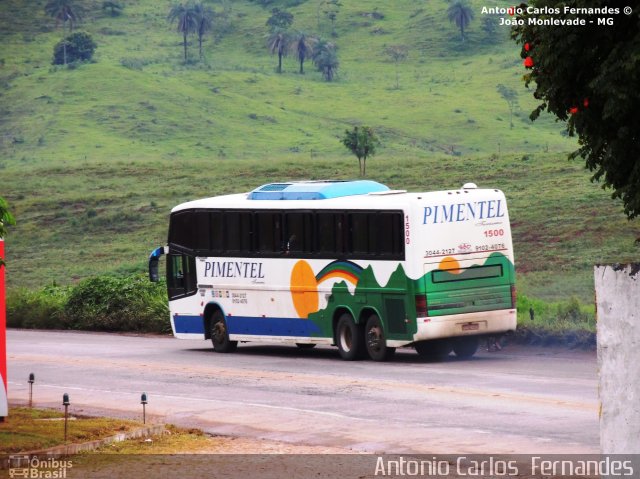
(482,323)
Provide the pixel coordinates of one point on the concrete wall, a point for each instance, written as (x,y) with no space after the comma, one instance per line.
(618,316)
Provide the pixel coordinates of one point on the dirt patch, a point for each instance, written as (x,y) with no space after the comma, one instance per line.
(246,445)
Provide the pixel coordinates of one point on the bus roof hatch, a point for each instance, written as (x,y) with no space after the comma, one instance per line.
(315,190)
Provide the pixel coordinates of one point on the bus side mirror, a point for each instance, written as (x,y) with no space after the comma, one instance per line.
(154,258)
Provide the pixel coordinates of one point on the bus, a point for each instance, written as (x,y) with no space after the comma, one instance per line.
(351,264)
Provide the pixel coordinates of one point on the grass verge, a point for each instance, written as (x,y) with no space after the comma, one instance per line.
(568,323)
(28,429)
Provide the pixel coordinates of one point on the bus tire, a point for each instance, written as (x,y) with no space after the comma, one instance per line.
(466,347)
(375,340)
(220,335)
(349,338)
(434,350)
(306,345)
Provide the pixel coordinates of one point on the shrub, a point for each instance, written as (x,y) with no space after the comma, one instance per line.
(130,303)
(79,47)
(42,309)
(567,315)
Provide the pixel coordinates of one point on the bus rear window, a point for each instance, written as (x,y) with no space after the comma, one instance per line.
(464,274)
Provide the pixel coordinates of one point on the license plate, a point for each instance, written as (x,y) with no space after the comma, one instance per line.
(471,327)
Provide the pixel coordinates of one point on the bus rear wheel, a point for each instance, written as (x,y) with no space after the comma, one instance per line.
(434,350)
(220,334)
(466,347)
(375,341)
(349,338)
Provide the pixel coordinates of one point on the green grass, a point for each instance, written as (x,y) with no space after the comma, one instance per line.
(27,429)
(92,159)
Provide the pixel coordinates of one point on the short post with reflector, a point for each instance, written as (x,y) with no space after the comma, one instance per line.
(143,401)
(65,403)
(32,379)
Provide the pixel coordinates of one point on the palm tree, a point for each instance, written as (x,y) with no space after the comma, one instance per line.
(184,16)
(461,14)
(302,46)
(204,22)
(63,11)
(397,53)
(325,58)
(278,42)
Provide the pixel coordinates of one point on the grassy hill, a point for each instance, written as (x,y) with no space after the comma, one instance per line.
(92,158)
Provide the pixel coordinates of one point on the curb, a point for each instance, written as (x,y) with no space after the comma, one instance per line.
(70,449)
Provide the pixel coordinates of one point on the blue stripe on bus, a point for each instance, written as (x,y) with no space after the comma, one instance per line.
(271,326)
(186,324)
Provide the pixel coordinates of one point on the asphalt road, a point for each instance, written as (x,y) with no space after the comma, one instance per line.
(518,400)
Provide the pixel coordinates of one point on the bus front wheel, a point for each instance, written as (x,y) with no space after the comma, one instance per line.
(375,340)
(349,338)
(220,335)
(466,347)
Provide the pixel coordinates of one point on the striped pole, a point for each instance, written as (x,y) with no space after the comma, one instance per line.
(4,406)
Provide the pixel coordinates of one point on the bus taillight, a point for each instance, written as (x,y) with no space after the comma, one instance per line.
(421,305)
(513,296)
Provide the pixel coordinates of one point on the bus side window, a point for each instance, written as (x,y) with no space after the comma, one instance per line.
(238,232)
(269,231)
(298,233)
(359,234)
(217,230)
(390,235)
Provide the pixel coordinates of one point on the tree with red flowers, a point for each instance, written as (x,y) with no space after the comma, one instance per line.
(6,219)
(588,76)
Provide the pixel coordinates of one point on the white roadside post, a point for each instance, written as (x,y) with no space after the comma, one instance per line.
(618,321)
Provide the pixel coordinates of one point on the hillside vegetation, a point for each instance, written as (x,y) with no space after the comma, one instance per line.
(92,157)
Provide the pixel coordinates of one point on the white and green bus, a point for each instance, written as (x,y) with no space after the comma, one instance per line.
(345,263)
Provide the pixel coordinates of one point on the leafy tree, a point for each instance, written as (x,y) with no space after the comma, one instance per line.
(511,97)
(204,22)
(279,20)
(278,42)
(115,8)
(397,53)
(362,142)
(589,77)
(325,58)
(460,13)
(302,47)
(186,22)
(6,219)
(78,46)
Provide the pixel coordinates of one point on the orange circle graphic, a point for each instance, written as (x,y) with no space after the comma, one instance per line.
(304,289)
(450,265)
